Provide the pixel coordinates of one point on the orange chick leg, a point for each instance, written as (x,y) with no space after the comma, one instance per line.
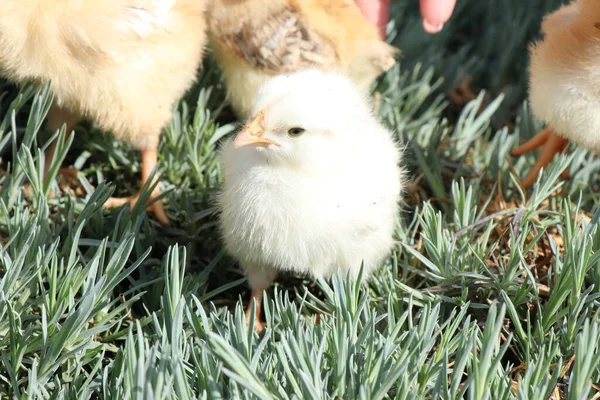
(70,172)
(256,296)
(551,144)
(149,160)
(56,118)
(377,102)
(64,171)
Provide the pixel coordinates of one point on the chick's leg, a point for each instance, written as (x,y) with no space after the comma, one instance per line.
(259,279)
(376,102)
(256,297)
(56,118)
(551,144)
(149,160)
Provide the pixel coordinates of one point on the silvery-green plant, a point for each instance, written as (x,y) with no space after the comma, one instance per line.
(491,293)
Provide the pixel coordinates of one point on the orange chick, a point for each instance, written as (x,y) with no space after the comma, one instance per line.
(254,40)
(120,63)
(565,83)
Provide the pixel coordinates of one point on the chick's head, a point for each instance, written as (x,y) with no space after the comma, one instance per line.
(299,118)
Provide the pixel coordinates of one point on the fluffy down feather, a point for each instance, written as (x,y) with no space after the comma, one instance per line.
(315,202)
(564,77)
(564,83)
(120,63)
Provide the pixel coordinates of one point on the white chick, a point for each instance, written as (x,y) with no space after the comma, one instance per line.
(312,183)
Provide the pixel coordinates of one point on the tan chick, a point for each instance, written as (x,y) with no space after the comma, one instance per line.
(254,40)
(120,63)
(565,83)
(311,184)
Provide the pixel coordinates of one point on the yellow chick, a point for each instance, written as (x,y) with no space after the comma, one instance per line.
(564,82)
(312,183)
(120,63)
(254,40)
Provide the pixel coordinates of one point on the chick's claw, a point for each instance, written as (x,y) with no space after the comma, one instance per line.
(551,144)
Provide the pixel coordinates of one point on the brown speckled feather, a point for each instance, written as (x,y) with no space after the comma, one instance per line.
(282,43)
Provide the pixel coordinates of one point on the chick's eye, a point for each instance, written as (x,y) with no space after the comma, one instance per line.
(294,132)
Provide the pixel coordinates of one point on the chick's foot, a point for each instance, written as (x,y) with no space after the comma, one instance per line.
(149,160)
(257,297)
(551,144)
(157,207)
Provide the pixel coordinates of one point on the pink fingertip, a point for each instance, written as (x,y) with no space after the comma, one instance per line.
(432,28)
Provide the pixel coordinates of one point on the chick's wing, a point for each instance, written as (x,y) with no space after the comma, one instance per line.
(105,28)
(280,43)
(144,16)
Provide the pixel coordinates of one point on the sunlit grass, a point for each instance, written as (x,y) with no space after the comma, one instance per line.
(490,294)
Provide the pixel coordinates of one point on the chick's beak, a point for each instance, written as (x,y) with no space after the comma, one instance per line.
(252,134)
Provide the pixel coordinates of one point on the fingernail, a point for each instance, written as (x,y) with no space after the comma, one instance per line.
(432,28)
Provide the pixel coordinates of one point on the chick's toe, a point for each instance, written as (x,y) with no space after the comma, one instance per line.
(157,207)
(551,144)
(149,160)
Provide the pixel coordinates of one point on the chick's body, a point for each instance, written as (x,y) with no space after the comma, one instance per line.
(311,204)
(565,74)
(565,82)
(254,40)
(314,219)
(121,63)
